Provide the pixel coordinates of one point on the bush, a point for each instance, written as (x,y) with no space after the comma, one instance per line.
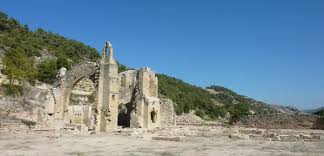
(18,66)
(28,123)
(237,111)
(121,67)
(47,71)
(200,113)
(62,62)
(13,90)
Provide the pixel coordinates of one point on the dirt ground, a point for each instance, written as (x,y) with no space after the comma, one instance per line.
(109,144)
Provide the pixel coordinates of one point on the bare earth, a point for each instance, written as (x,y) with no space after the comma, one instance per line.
(109,144)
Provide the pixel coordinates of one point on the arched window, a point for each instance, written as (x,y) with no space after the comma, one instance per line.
(153,116)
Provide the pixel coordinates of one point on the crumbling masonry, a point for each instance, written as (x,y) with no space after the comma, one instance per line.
(94,96)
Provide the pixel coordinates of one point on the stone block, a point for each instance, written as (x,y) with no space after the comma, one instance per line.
(310,137)
(238,136)
(165,138)
(289,138)
(256,137)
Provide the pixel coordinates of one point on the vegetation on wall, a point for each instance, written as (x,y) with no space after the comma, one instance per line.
(122,68)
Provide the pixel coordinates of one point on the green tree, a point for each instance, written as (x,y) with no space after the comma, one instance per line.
(47,70)
(238,110)
(62,62)
(3,21)
(18,66)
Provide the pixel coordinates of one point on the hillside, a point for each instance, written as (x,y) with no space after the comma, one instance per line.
(213,102)
(35,56)
(314,110)
(319,113)
(17,37)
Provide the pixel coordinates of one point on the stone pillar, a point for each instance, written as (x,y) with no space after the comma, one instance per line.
(107,106)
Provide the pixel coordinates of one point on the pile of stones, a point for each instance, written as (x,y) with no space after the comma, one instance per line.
(282,121)
(189,119)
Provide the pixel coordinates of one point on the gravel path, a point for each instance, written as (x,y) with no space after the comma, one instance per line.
(106,144)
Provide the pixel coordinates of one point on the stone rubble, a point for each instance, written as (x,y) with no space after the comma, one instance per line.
(283,121)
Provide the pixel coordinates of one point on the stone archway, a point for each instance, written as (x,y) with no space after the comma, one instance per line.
(68,82)
(153,116)
(124,114)
(83,92)
(81,103)
(123,118)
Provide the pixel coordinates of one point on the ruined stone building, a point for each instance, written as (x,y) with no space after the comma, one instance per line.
(96,97)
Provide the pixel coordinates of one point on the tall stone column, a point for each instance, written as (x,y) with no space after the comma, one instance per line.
(107,105)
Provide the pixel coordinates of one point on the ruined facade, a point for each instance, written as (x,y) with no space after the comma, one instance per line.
(96,97)
(139,99)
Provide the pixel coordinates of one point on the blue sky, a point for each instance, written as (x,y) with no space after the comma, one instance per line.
(269,50)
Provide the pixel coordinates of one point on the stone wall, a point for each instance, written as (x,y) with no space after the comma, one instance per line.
(30,106)
(127,83)
(241,133)
(139,92)
(148,82)
(9,105)
(145,80)
(282,121)
(167,113)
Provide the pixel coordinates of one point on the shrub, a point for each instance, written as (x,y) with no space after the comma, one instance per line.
(62,62)
(28,123)
(237,111)
(47,71)
(200,113)
(13,90)
(18,66)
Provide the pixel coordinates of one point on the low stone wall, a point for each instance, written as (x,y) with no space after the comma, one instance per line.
(167,113)
(242,133)
(8,105)
(282,121)
(14,128)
